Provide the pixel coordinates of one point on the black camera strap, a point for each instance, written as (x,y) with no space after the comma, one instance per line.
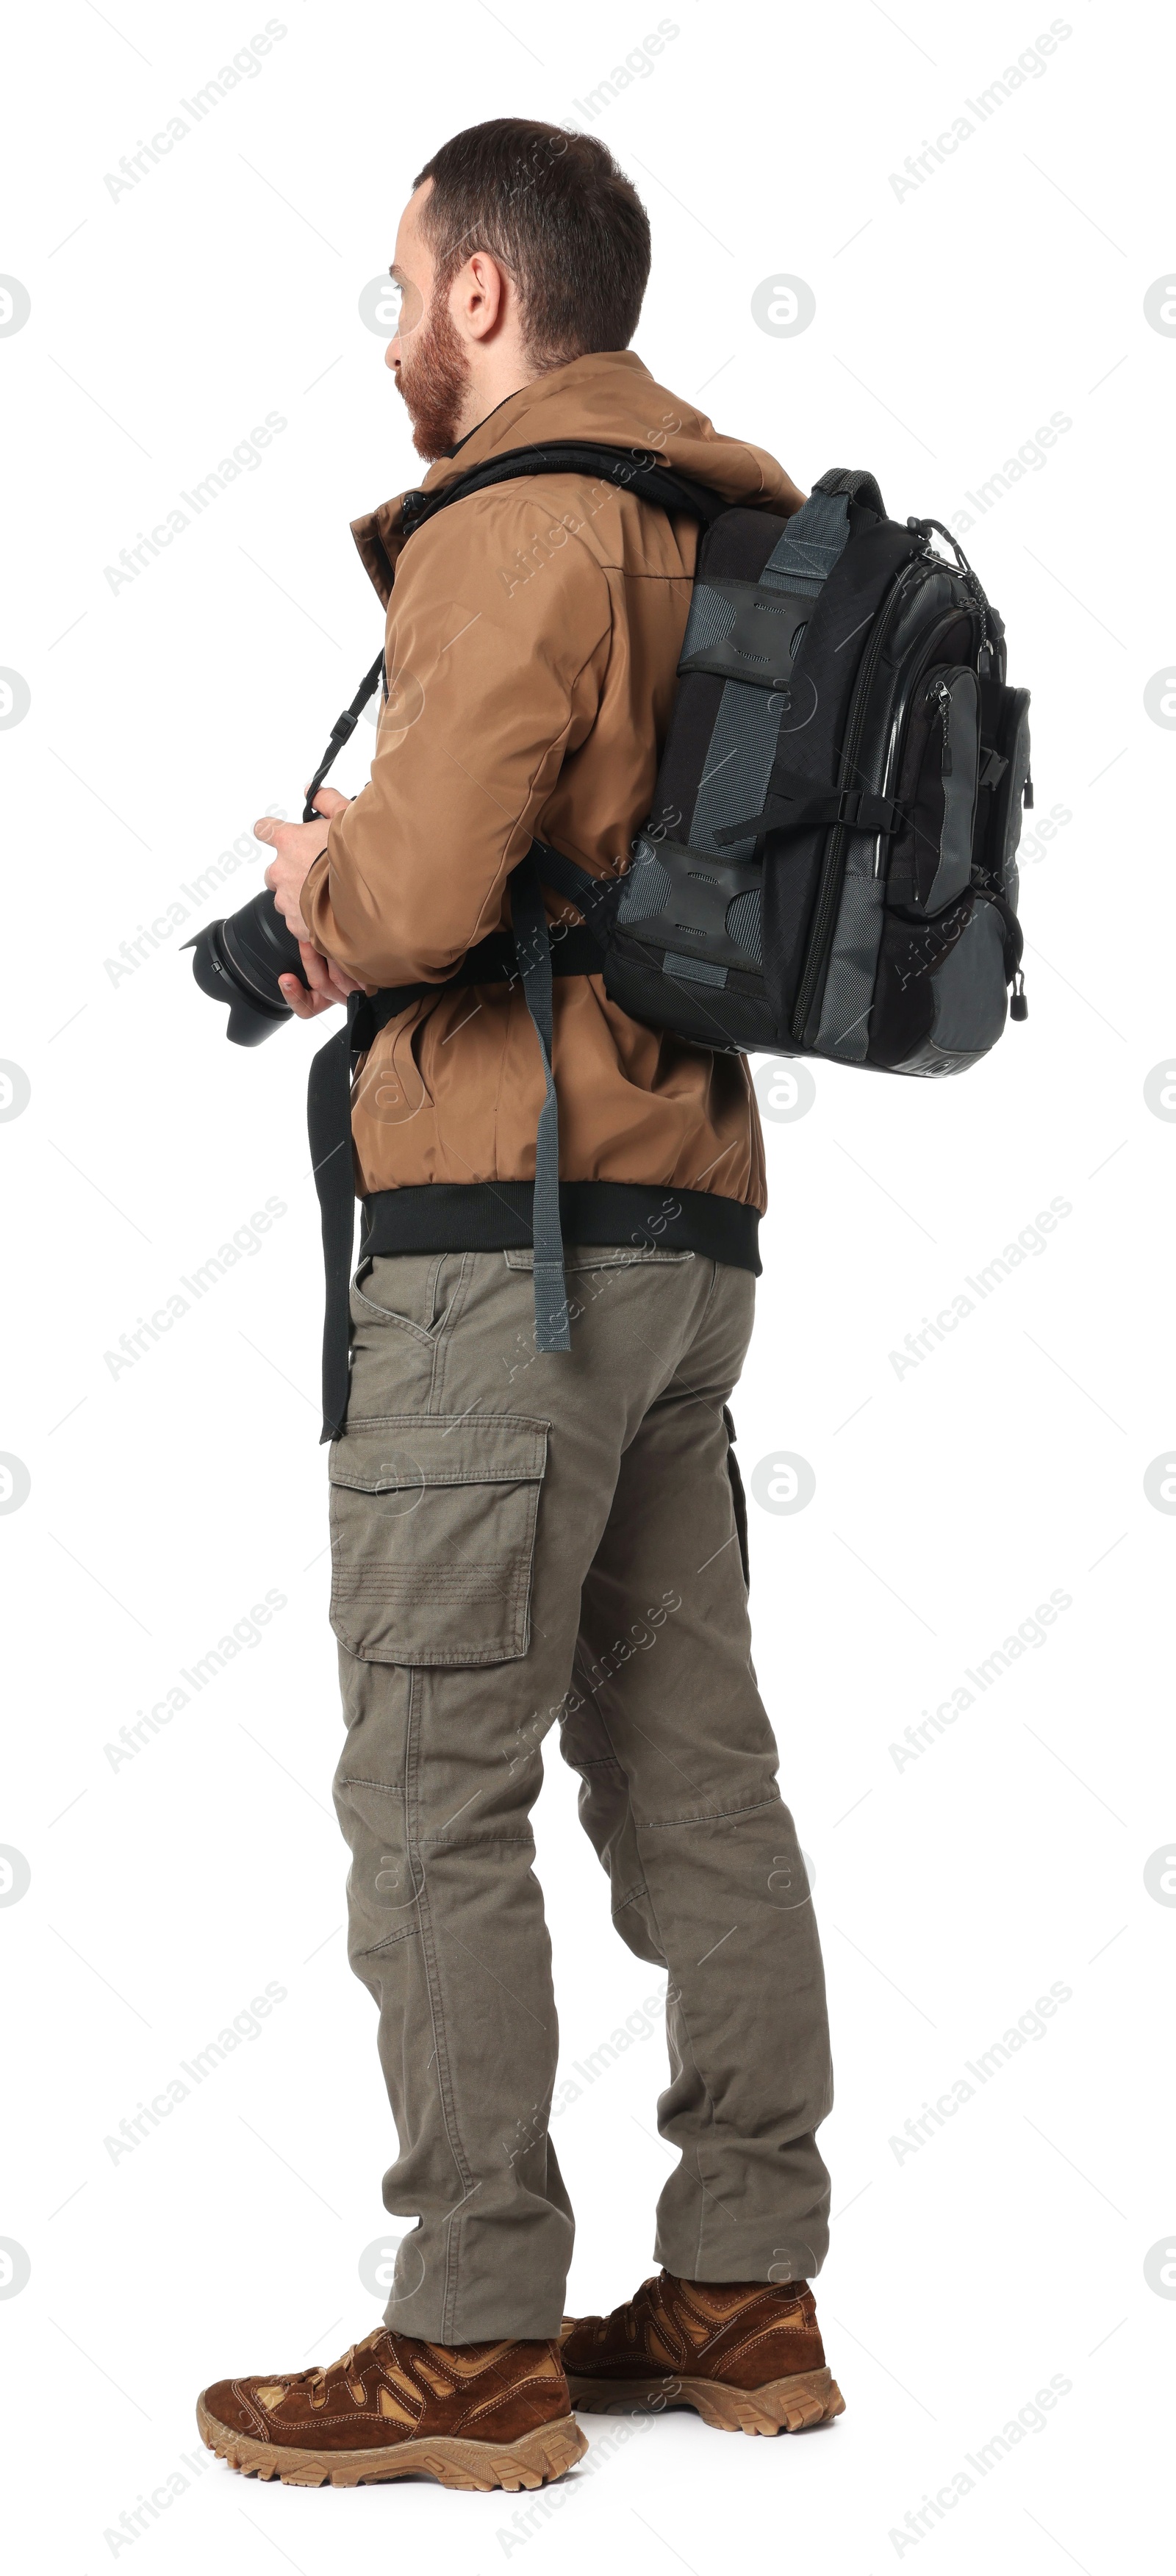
(342,730)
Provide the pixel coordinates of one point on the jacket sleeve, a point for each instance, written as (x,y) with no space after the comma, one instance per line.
(497,648)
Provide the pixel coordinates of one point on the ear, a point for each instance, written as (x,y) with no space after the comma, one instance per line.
(479,295)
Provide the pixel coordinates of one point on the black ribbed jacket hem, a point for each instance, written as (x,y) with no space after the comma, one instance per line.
(495,1216)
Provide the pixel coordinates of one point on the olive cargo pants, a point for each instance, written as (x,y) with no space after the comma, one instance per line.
(522,1541)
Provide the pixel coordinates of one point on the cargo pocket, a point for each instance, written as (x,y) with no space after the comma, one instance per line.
(433,1536)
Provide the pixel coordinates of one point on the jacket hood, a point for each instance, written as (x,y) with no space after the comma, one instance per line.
(608,398)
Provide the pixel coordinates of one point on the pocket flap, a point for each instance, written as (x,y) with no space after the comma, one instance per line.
(391,1453)
(433,1520)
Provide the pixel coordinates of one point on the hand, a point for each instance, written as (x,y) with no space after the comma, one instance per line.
(328,983)
(296,846)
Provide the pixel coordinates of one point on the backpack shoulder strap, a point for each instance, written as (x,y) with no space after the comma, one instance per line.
(634,469)
(590,894)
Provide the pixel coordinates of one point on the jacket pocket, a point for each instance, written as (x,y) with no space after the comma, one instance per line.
(433,1535)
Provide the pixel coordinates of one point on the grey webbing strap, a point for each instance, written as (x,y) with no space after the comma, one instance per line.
(745,740)
(739,760)
(807,553)
(810,546)
(533,947)
(844,1026)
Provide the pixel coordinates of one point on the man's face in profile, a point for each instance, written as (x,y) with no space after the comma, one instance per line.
(426,356)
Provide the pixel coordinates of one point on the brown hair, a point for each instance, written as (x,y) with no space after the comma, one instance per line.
(561,218)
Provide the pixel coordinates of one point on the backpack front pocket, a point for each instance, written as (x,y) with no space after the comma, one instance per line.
(1005,775)
(931,865)
(941,1000)
(433,1523)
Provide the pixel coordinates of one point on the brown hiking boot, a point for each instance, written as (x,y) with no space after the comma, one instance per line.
(483,2415)
(747,2355)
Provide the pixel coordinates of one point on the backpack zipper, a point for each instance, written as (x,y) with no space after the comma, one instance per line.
(829,891)
(940,692)
(829,895)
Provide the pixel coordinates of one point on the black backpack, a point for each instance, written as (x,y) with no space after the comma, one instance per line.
(829,868)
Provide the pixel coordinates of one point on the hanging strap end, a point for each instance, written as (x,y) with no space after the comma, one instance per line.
(552,1323)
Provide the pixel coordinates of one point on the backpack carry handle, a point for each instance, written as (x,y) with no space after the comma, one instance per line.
(857,486)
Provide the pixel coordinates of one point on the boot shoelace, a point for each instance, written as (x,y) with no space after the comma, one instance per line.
(315,2381)
(640,2310)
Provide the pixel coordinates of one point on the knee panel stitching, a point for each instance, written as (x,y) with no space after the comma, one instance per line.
(711,1816)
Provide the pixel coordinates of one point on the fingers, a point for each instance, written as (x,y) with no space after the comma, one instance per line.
(288,908)
(316,971)
(337,976)
(298,998)
(326,972)
(301,841)
(285,891)
(305,1006)
(327,983)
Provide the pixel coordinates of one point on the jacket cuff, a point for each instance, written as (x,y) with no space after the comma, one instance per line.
(314,885)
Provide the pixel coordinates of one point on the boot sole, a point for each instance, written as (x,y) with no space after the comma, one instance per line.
(548,2452)
(781,2406)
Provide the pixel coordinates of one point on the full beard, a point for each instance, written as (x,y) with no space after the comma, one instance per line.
(434,383)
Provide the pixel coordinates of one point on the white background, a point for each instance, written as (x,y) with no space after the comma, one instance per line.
(1009,1856)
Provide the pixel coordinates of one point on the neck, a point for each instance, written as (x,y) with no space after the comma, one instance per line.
(485,392)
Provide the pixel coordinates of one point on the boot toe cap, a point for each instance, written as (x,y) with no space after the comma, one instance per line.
(227,2403)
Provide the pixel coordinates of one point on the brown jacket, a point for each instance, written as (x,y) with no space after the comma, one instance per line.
(532,641)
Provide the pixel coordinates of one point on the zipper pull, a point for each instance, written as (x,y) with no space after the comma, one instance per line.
(942,693)
(1018,1007)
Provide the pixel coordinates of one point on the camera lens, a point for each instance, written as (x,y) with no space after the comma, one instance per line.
(238,961)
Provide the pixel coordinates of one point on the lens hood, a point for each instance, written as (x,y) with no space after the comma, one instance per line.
(238,961)
(252,1017)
